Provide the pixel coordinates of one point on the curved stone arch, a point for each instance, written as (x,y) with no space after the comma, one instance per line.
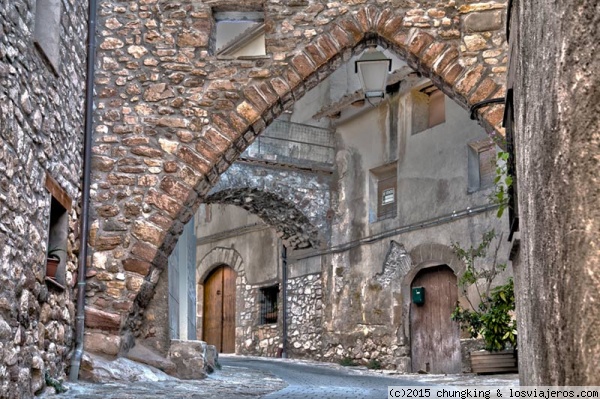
(307,191)
(195,136)
(216,257)
(294,228)
(424,256)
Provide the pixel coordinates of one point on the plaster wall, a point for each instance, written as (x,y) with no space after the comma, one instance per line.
(259,249)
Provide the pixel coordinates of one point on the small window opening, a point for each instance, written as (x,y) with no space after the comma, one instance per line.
(384,183)
(240,34)
(46,34)
(481,164)
(268,304)
(60,205)
(428,108)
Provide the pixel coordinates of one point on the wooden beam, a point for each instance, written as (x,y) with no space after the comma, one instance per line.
(57,192)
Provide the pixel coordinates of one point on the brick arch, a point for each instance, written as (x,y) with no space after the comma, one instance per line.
(165,132)
(292,226)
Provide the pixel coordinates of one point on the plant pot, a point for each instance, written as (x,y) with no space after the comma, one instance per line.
(52,267)
(486,362)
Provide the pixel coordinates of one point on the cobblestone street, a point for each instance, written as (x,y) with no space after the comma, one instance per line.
(252,377)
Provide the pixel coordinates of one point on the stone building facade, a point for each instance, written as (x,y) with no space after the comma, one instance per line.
(350,298)
(172,116)
(42,87)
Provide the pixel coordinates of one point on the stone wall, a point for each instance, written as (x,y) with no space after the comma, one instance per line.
(303,196)
(171,117)
(252,337)
(557,139)
(305,317)
(41,131)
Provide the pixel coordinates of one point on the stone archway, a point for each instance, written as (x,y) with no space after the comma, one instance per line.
(165,133)
(292,226)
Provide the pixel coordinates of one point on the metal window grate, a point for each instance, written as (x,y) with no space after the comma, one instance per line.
(268,304)
(294,144)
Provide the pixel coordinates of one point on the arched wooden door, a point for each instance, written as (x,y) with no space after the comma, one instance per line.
(435,339)
(218,325)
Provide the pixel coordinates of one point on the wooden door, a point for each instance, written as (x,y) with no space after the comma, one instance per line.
(435,339)
(219,309)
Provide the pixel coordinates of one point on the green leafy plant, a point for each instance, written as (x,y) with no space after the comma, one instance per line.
(53,253)
(347,362)
(502,180)
(53,382)
(492,318)
(374,364)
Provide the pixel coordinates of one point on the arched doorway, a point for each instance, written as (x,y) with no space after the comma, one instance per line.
(435,339)
(219,309)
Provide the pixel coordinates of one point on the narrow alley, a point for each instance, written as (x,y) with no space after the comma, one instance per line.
(253,377)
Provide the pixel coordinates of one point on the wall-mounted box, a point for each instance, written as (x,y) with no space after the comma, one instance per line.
(418,295)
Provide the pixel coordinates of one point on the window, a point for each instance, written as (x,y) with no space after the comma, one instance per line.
(428,108)
(481,164)
(268,304)
(384,183)
(60,205)
(46,34)
(240,34)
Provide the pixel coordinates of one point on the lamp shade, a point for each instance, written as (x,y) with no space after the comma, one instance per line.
(372,68)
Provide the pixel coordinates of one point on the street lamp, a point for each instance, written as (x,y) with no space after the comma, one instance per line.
(372,68)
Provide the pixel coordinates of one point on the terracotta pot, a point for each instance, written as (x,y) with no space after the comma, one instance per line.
(52,267)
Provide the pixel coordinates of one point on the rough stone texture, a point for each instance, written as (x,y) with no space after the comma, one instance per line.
(141,354)
(305,317)
(100,370)
(171,117)
(193,359)
(557,132)
(293,201)
(252,337)
(41,130)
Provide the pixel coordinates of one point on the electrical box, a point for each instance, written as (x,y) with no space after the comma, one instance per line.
(418,295)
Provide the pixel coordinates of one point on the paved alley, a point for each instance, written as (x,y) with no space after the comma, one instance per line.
(311,381)
(253,377)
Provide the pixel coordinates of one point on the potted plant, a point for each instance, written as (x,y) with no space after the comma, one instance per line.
(492,319)
(52,262)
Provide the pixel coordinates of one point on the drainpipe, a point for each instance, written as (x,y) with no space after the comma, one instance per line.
(85,202)
(284,294)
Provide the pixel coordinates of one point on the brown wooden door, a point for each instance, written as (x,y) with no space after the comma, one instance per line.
(219,309)
(435,339)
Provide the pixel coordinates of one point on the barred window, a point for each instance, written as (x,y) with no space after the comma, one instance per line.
(268,304)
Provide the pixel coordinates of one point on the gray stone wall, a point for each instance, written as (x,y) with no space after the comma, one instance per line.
(252,337)
(171,116)
(305,317)
(557,130)
(41,131)
(304,197)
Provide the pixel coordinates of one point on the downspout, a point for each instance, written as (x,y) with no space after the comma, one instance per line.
(85,202)
(284,299)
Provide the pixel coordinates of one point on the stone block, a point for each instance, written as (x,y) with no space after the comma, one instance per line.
(193,359)
(142,354)
(102,343)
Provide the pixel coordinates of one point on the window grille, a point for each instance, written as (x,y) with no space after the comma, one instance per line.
(386,207)
(268,304)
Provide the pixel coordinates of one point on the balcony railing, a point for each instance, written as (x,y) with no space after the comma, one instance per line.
(294,144)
